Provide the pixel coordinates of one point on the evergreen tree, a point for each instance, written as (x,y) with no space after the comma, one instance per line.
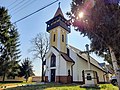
(9,52)
(101,24)
(26,69)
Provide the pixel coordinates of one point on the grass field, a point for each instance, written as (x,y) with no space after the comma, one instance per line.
(52,86)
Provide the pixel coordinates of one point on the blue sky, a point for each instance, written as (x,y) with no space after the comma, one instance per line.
(31,26)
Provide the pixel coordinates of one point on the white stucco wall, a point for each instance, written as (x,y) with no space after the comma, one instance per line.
(81,64)
(75,66)
(99,72)
(69,64)
(63,67)
(48,59)
(47,66)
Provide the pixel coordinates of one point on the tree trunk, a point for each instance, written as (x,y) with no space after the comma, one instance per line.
(3,77)
(118,79)
(114,61)
(115,66)
(42,72)
(26,79)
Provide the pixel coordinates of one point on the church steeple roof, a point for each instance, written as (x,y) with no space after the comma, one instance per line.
(58,20)
(59,11)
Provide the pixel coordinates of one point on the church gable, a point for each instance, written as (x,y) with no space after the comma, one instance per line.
(84,56)
(52,50)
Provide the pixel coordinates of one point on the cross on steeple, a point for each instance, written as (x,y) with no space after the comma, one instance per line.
(59,11)
(59,4)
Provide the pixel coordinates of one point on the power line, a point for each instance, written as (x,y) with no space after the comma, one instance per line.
(12,3)
(35,11)
(17,4)
(23,6)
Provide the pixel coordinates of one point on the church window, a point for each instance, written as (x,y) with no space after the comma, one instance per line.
(54,38)
(68,72)
(53,60)
(68,52)
(62,38)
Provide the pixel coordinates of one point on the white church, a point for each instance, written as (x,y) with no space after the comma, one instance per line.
(65,63)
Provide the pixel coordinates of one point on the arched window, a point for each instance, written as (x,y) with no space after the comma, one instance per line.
(62,38)
(53,60)
(54,37)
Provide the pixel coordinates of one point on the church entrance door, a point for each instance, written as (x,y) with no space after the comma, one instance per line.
(52,75)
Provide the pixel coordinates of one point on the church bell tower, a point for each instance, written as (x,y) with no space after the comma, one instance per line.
(58,29)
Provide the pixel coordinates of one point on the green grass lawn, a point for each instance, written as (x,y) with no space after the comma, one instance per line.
(52,86)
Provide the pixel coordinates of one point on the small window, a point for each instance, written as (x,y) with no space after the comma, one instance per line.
(68,52)
(68,72)
(54,38)
(88,73)
(89,78)
(62,38)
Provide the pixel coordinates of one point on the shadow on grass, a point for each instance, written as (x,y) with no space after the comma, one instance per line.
(54,86)
(40,86)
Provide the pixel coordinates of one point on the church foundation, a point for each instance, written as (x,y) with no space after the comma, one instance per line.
(46,79)
(63,79)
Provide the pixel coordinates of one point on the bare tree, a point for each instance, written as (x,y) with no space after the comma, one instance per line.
(40,47)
